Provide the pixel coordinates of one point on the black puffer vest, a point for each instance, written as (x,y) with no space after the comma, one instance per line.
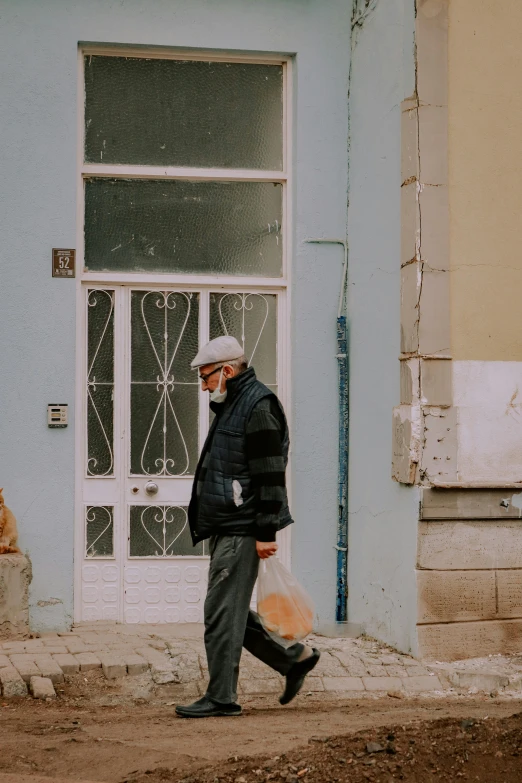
(215,511)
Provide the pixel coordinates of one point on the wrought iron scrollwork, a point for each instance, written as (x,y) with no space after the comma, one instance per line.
(93,537)
(165,383)
(244,303)
(170,529)
(101,444)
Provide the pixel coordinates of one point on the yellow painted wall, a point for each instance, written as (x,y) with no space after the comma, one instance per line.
(485,170)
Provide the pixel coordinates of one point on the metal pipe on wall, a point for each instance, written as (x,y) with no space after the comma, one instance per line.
(341,606)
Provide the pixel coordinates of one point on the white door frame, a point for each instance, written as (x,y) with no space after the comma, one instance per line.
(205,283)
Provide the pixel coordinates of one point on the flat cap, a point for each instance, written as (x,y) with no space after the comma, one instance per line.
(222,349)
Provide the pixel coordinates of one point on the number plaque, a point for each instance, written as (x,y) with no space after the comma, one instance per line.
(63,262)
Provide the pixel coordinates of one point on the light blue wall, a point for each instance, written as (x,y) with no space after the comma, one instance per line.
(38,99)
(383,515)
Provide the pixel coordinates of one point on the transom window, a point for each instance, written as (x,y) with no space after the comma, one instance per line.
(183,166)
(183,113)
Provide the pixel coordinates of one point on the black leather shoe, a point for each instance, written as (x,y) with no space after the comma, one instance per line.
(296,676)
(205,708)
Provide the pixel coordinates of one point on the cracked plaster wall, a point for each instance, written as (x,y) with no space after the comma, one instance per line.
(383,515)
(461,266)
(424,424)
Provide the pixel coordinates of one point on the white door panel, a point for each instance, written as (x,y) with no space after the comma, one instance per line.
(145,422)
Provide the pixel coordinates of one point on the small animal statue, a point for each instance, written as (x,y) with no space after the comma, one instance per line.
(8,531)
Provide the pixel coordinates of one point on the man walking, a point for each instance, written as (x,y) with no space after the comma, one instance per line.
(239,501)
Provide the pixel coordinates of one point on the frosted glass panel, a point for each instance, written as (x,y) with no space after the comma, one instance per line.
(252,319)
(231,228)
(100,383)
(161,531)
(183,113)
(164,392)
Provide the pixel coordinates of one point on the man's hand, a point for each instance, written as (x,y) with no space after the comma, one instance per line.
(266,549)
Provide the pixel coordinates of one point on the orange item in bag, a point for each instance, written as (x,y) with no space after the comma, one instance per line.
(280,616)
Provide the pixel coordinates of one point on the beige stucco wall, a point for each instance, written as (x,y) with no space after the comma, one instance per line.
(458,428)
(485,176)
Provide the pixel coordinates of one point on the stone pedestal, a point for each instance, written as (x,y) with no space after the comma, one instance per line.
(15,578)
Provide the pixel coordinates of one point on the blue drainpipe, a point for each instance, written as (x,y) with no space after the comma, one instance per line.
(341,610)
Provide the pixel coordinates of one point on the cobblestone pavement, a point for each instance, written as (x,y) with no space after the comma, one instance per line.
(346,665)
(121,650)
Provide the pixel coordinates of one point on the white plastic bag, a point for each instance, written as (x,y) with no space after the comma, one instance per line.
(283,606)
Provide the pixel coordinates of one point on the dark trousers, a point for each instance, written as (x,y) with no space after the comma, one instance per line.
(229,623)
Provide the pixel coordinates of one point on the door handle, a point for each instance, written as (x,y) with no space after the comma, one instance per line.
(151,488)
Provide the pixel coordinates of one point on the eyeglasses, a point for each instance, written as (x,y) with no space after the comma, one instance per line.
(205,378)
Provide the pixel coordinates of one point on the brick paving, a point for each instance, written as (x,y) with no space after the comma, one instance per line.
(346,665)
(171,654)
(42,688)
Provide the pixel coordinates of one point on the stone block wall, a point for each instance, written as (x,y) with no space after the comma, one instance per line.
(469,573)
(15,578)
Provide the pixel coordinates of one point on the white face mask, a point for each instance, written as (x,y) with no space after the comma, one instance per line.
(217,395)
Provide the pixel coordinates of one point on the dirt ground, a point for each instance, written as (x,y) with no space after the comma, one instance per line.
(95,732)
(441,750)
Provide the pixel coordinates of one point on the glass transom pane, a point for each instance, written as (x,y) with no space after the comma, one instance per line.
(164,391)
(183,113)
(175,226)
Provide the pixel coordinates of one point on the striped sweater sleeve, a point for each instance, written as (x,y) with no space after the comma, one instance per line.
(266,465)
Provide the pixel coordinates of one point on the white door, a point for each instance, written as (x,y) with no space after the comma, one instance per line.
(184,206)
(145,422)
